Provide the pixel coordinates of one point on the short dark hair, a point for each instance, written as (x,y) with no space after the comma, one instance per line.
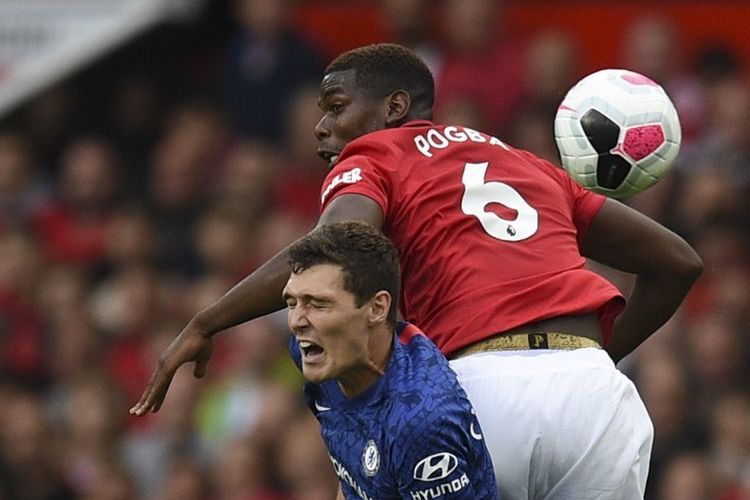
(368,260)
(383,68)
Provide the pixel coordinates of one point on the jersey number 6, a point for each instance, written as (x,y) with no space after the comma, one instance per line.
(478,194)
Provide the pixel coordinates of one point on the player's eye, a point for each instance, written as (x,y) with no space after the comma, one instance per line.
(337,108)
(319,303)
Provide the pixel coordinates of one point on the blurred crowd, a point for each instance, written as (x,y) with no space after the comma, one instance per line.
(138,192)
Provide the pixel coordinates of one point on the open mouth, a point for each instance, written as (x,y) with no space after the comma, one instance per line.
(329,156)
(310,350)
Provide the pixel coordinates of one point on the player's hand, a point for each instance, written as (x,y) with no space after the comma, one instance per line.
(188,346)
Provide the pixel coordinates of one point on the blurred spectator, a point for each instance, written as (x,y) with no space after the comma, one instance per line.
(30,451)
(184,480)
(248,170)
(730,451)
(132,238)
(724,289)
(483,65)
(129,308)
(246,389)
(303,462)
(689,476)
(665,387)
(22,355)
(410,23)
(266,61)
(184,160)
(551,70)
(137,114)
(168,443)
(112,483)
(223,240)
(241,473)
(73,227)
(295,186)
(51,121)
(653,46)
(725,146)
(22,188)
(93,428)
(719,356)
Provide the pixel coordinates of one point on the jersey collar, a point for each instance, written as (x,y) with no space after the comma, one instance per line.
(418,123)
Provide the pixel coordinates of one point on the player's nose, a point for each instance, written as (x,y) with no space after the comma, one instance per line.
(296,320)
(321,129)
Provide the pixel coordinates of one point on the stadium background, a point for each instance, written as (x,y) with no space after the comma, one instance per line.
(141,186)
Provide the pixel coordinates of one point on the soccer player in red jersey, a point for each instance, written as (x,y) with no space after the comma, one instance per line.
(492,242)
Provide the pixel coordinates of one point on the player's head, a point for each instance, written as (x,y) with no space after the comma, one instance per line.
(343,287)
(367,259)
(371,88)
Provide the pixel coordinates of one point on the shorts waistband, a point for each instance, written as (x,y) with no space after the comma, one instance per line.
(526,341)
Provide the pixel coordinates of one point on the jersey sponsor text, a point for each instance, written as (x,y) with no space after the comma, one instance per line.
(349,177)
(436,139)
(442,489)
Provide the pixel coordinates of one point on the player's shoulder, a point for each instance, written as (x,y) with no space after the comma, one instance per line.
(420,355)
(420,368)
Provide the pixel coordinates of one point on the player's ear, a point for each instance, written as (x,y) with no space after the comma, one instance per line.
(379,306)
(399,104)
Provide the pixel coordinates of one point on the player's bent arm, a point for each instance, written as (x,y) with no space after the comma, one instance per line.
(353,207)
(260,292)
(665,265)
(256,295)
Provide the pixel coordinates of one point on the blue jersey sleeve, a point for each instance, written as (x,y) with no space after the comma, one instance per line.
(446,458)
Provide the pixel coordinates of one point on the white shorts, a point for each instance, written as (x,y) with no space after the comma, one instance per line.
(559,424)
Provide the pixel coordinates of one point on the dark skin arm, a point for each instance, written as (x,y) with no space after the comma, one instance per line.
(256,295)
(664,264)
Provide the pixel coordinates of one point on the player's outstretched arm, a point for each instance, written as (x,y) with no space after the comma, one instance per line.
(256,295)
(665,265)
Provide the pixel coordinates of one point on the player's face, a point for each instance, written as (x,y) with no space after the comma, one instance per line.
(332,332)
(347,114)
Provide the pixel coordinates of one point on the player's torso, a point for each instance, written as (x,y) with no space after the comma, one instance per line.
(373,438)
(475,221)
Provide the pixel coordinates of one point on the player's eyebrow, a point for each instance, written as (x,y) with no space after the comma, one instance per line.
(306,297)
(328,94)
(329,91)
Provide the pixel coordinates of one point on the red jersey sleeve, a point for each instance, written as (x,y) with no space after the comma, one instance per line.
(586,206)
(363,168)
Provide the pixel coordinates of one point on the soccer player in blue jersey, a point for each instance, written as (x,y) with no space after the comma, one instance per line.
(396,422)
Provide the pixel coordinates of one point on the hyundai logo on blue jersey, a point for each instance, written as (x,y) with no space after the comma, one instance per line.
(434,467)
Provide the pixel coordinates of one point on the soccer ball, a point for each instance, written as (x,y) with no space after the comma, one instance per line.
(618,132)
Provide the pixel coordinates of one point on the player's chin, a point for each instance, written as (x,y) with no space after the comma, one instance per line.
(316,372)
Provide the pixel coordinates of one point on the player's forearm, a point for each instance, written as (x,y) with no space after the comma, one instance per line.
(654,299)
(256,295)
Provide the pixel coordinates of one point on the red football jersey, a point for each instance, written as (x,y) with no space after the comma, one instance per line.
(487,234)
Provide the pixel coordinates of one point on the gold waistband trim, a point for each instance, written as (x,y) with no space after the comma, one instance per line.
(526,341)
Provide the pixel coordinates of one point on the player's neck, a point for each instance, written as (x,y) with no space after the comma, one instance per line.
(373,367)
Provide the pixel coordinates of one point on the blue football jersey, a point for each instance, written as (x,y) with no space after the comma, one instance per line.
(412,435)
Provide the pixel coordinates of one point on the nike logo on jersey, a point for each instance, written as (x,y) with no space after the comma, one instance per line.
(474,433)
(320,407)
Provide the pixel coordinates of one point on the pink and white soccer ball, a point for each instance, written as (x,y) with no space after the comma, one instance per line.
(618,132)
